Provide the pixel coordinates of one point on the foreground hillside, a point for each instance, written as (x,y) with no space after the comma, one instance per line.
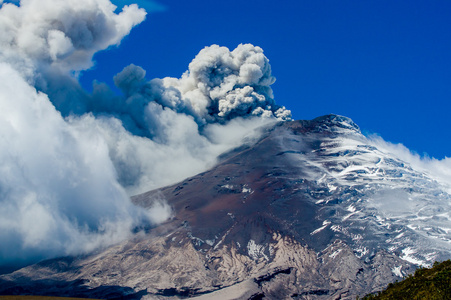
(310,210)
(434,283)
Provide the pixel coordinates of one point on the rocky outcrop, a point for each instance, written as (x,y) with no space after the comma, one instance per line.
(171,267)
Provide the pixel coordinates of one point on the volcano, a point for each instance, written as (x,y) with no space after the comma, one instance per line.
(309,210)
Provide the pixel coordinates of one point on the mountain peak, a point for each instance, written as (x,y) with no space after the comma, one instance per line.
(337,123)
(331,123)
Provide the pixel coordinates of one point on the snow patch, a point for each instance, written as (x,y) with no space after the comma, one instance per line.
(228,186)
(336,228)
(397,271)
(331,187)
(210,242)
(351,208)
(325,224)
(399,236)
(392,249)
(356,237)
(360,252)
(407,255)
(271,250)
(335,253)
(217,245)
(246,189)
(431,257)
(348,216)
(197,241)
(256,251)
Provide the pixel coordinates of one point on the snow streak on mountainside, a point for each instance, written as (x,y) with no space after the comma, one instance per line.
(380,193)
(311,210)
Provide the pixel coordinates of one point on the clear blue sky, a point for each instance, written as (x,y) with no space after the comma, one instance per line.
(385,64)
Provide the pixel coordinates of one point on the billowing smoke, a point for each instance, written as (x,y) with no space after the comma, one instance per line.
(69,160)
(221,85)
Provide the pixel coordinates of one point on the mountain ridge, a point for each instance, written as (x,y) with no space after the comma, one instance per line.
(305,212)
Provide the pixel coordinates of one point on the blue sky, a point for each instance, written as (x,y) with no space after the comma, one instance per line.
(385,64)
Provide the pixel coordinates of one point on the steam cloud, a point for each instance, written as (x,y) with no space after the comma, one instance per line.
(69,160)
(438,169)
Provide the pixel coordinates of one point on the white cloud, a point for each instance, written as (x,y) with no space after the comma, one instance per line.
(438,169)
(58,186)
(62,35)
(69,160)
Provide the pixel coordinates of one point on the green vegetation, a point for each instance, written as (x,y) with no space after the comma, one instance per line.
(427,284)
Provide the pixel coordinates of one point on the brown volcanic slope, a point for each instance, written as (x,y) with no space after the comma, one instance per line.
(254,190)
(285,217)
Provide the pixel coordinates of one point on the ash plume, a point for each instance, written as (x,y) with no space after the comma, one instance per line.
(69,159)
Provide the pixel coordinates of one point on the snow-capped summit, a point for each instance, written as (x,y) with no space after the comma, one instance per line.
(335,123)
